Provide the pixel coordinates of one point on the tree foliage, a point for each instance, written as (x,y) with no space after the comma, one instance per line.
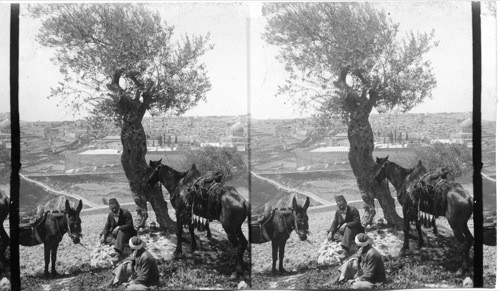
(113,55)
(212,159)
(5,164)
(343,57)
(343,60)
(456,157)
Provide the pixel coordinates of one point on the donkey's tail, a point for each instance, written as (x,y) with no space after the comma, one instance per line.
(247,209)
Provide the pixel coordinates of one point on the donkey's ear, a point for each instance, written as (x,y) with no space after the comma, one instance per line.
(159,162)
(79,207)
(306,204)
(68,207)
(294,203)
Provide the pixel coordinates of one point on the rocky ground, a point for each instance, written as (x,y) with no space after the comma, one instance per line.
(212,266)
(435,265)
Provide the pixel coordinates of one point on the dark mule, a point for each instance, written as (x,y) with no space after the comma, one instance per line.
(415,197)
(403,180)
(4,211)
(277,228)
(233,209)
(448,198)
(50,230)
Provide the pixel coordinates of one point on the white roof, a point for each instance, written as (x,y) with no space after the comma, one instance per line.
(112,137)
(330,149)
(213,144)
(442,141)
(159,149)
(101,152)
(389,146)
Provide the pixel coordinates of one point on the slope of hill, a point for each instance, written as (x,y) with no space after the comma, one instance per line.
(488,147)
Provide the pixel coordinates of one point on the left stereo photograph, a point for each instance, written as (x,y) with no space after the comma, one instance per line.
(134,146)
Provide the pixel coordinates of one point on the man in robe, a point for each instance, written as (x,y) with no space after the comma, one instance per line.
(346,224)
(119,228)
(372,270)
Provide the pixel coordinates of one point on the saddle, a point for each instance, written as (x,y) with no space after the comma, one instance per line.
(438,194)
(207,201)
(264,216)
(257,227)
(430,198)
(29,233)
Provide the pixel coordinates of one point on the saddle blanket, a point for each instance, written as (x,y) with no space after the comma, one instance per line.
(258,234)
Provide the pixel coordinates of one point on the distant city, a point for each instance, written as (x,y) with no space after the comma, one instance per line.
(78,141)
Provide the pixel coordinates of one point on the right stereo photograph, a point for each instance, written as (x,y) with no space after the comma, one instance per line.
(361,142)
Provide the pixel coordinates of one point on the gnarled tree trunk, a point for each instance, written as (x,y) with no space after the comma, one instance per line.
(134,164)
(360,136)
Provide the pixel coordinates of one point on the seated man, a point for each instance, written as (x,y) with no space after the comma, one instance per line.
(138,272)
(348,224)
(145,269)
(119,227)
(372,268)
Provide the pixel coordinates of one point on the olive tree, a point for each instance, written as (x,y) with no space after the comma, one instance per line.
(120,61)
(344,60)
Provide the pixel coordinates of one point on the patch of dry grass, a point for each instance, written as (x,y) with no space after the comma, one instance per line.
(213,265)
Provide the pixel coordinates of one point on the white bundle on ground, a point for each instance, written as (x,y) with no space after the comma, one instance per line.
(5,284)
(329,253)
(161,247)
(104,256)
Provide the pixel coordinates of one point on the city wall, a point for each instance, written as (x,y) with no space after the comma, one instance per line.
(402,156)
(174,159)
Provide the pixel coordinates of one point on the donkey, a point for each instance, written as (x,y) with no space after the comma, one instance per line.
(450,199)
(409,183)
(182,186)
(4,211)
(278,227)
(50,231)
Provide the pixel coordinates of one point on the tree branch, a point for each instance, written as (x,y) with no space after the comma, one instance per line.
(341,81)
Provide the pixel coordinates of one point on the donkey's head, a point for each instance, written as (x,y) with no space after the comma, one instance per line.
(301,218)
(74,221)
(381,169)
(154,172)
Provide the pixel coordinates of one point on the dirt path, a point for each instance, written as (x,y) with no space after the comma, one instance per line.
(325,203)
(76,196)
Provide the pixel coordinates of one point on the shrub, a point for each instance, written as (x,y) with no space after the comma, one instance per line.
(457,157)
(226,160)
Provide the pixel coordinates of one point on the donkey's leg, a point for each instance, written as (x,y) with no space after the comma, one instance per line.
(178,249)
(459,235)
(193,237)
(406,228)
(282,255)
(4,241)
(275,255)
(469,239)
(232,237)
(53,256)
(209,234)
(46,251)
(468,235)
(209,216)
(434,227)
(243,243)
(419,231)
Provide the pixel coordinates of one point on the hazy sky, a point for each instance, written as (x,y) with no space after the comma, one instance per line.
(227,63)
(451,60)
(4,57)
